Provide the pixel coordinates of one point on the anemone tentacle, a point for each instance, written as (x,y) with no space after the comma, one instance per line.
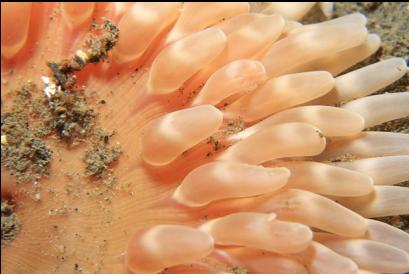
(243,139)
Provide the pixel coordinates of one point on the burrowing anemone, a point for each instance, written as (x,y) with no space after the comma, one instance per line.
(243,142)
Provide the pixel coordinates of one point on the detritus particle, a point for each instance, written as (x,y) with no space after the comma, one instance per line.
(63,110)
(10,224)
(320,134)
(239,270)
(401,222)
(399,125)
(70,116)
(100,158)
(235,126)
(96,50)
(347,157)
(215,143)
(23,150)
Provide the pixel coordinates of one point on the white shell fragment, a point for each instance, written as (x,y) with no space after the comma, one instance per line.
(4,140)
(51,88)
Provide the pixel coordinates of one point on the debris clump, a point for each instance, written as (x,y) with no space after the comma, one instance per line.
(235,126)
(70,115)
(239,270)
(10,224)
(100,158)
(61,109)
(97,48)
(23,150)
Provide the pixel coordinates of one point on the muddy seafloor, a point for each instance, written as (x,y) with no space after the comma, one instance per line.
(390,20)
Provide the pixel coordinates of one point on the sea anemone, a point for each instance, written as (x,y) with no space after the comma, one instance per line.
(230,140)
